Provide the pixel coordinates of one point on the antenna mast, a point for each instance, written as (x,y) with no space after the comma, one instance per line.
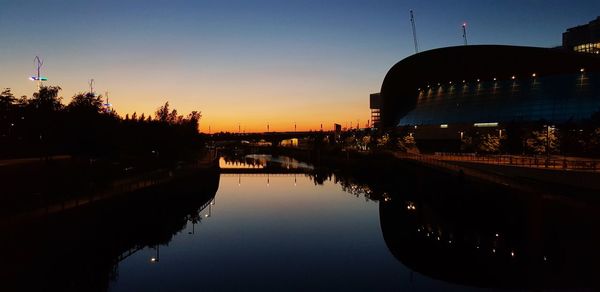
(38,66)
(91,83)
(414,31)
(464,29)
(107,105)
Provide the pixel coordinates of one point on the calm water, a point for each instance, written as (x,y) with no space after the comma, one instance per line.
(277,232)
(319,230)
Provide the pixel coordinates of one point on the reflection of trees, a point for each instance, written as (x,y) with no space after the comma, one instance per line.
(80,251)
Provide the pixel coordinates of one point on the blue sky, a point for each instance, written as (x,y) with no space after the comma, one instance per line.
(253,62)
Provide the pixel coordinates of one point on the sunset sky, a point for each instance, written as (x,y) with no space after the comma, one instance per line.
(253,62)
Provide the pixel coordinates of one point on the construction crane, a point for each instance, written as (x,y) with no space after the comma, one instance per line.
(464,30)
(414,31)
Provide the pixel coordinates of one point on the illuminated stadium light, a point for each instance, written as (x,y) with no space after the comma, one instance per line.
(485,125)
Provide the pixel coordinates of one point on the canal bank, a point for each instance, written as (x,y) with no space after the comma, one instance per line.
(55,187)
(529,180)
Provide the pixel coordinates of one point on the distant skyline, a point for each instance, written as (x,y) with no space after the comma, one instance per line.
(253,63)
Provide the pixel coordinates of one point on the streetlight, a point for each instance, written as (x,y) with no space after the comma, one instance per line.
(156,257)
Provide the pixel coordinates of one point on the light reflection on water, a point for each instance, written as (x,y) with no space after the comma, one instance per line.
(276,228)
(259,161)
(287,234)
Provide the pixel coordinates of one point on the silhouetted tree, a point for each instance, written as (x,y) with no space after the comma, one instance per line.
(7,100)
(46,99)
(86,103)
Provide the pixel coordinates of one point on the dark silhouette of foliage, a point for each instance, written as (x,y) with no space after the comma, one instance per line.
(43,126)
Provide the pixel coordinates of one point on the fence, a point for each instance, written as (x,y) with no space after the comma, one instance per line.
(566,163)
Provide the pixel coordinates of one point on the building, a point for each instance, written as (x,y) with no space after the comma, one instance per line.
(446,91)
(375,105)
(583,38)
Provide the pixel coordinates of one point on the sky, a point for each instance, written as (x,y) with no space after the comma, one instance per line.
(248,64)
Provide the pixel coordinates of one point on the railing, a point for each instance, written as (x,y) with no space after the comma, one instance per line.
(552,162)
(434,161)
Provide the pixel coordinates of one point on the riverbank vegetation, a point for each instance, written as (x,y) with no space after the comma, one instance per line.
(88,127)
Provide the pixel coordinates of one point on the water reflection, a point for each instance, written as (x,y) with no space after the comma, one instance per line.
(484,236)
(262,161)
(81,250)
(314,228)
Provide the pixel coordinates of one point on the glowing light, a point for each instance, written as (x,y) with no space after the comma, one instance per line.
(485,125)
(512,254)
(495,79)
(533,75)
(514,77)
(582,70)
(478,80)
(444,126)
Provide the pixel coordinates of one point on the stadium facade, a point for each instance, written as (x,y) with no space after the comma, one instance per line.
(490,85)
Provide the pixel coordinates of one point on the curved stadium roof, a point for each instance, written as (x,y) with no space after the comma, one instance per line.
(491,83)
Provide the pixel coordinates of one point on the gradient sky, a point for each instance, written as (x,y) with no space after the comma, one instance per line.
(253,62)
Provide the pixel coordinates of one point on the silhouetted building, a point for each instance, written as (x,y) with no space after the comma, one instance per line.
(583,38)
(487,85)
(375,105)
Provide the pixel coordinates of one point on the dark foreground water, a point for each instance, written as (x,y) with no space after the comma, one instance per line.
(283,226)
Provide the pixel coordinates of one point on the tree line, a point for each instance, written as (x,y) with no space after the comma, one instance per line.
(42,125)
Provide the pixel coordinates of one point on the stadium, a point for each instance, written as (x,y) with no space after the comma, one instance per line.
(456,88)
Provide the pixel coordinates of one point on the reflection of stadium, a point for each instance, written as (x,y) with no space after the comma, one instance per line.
(506,244)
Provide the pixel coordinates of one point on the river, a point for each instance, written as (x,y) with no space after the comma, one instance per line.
(273,223)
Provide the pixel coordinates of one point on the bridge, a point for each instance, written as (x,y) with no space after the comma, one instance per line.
(273,137)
